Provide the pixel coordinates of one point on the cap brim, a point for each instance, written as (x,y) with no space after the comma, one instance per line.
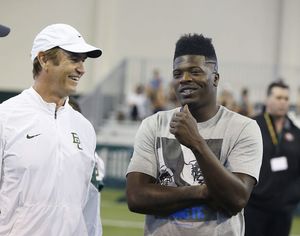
(90,50)
(4,31)
(94,54)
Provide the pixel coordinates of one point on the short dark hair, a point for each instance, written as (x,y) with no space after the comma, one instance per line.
(195,44)
(279,83)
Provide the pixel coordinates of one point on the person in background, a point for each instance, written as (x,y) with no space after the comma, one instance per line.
(4,30)
(270,208)
(156,81)
(138,103)
(228,100)
(155,92)
(172,100)
(47,149)
(245,107)
(193,167)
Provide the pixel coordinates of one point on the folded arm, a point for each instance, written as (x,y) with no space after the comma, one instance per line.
(145,196)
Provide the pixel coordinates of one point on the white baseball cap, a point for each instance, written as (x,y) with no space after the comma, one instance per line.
(65,37)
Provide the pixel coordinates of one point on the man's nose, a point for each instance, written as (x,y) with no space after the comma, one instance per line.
(80,68)
(186,76)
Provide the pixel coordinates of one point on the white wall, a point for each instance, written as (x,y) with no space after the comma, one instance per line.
(250,37)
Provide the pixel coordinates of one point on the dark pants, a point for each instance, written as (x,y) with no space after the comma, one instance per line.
(260,222)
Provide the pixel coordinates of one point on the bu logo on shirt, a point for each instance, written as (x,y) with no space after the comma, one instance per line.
(76,140)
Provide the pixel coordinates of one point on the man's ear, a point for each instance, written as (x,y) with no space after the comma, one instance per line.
(216,79)
(42,59)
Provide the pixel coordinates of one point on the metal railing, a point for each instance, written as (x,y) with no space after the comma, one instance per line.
(105,98)
(116,160)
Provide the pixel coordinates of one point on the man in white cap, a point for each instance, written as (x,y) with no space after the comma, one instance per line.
(4,31)
(46,147)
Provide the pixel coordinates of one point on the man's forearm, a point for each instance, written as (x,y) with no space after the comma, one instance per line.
(161,200)
(225,187)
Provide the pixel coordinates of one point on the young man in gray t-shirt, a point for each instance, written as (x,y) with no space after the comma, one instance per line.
(194,167)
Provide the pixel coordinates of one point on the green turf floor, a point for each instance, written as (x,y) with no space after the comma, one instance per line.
(296,226)
(117,220)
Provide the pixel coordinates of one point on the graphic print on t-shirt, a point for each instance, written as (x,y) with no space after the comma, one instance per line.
(178,167)
(177,163)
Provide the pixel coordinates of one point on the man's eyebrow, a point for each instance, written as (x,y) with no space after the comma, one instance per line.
(189,69)
(214,63)
(211,61)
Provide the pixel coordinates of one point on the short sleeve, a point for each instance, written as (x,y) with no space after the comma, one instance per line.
(143,159)
(246,155)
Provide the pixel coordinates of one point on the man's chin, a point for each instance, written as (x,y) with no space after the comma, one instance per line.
(72,91)
(187,102)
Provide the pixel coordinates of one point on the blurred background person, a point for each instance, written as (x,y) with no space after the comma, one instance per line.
(156,93)
(226,99)
(172,100)
(245,107)
(270,208)
(138,103)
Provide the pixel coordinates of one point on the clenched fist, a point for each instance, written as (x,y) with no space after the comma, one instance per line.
(184,127)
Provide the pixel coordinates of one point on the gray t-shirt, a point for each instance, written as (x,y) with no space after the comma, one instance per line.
(234,139)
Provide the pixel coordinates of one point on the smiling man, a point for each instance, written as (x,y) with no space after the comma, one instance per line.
(194,167)
(46,147)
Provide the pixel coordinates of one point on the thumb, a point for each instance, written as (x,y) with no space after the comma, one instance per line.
(186,109)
